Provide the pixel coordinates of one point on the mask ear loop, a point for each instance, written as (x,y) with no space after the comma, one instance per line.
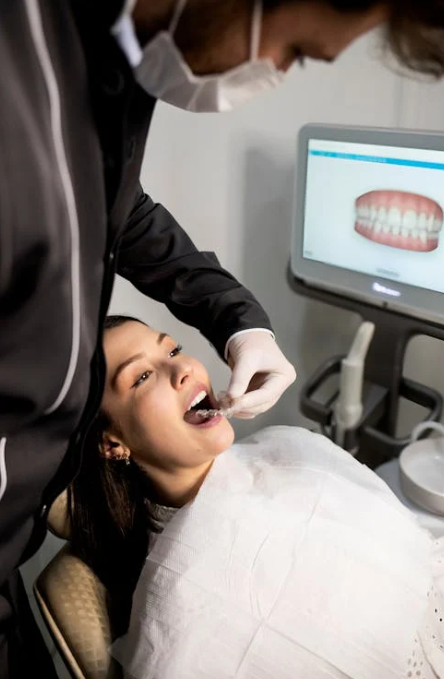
(180,6)
(256,30)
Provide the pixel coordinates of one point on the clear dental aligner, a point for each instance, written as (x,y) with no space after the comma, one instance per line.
(226,407)
(399,219)
(224,412)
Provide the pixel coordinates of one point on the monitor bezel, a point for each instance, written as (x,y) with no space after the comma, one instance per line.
(412,301)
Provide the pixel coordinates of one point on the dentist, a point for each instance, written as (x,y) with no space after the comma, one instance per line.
(78,84)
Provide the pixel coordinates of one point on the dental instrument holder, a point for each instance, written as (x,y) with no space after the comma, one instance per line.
(374,438)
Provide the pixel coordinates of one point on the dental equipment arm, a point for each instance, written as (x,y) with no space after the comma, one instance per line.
(348,408)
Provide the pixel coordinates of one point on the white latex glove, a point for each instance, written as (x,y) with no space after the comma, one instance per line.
(260,373)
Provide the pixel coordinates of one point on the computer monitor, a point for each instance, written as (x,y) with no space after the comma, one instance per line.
(368,217)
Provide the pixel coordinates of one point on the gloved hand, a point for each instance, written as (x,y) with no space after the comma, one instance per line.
(260,373)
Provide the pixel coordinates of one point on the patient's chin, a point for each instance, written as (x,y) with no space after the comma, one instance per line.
(220,438)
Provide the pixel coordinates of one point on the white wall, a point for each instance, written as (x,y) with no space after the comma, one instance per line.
(228,179)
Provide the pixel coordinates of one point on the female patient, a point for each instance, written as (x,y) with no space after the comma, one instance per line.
(279,557)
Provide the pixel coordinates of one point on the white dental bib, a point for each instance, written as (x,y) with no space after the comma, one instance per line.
(293,561)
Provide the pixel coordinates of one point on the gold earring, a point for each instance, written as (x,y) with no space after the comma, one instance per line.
(122,457)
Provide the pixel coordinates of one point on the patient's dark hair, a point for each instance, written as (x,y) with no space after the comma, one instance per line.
(415,30)
(109,514)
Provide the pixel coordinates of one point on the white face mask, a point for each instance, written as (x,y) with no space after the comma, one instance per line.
(164,73)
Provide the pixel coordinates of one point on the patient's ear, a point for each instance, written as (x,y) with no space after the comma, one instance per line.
(113,448)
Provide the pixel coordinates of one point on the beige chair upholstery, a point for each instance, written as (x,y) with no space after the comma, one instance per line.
(73,603)
(58,520)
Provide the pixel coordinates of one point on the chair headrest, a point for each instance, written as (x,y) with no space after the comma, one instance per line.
(58,519)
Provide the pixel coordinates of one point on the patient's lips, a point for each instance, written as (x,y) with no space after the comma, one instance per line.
(399,219)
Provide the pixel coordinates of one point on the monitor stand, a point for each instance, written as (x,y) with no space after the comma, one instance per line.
(374,439)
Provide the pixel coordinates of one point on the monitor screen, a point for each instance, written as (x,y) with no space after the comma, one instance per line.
(369,215)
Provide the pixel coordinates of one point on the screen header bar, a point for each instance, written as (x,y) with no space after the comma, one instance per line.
(379,159)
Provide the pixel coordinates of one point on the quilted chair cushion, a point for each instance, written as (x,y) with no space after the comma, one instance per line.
(58,520)
(73,603)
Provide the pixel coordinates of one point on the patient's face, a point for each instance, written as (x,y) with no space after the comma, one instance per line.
(150,386)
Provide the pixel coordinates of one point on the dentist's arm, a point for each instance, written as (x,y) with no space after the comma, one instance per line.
(160,259)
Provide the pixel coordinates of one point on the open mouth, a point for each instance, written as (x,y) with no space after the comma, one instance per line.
(399,219)
(202,401)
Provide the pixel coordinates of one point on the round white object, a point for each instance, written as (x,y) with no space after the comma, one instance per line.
(390,473)
(422,474)
(421,467)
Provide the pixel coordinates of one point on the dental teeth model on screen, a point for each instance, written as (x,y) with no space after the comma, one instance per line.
(399,219)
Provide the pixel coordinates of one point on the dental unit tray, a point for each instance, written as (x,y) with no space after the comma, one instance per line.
(366,237)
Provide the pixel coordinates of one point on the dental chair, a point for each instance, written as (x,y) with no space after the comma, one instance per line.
(73,604)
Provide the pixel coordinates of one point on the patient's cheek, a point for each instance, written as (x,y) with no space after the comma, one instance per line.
(155,415)
(152,400)
(161,412)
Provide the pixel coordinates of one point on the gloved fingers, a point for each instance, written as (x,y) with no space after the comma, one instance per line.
(261,399)
(243,416)
(248,412)
(243,372)
(254,412)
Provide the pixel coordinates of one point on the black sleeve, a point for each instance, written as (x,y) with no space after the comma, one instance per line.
(161,261)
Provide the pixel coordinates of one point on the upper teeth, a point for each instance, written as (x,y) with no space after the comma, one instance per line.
(197,399)
(406,223)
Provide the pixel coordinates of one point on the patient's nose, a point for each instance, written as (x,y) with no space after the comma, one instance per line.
(182,371)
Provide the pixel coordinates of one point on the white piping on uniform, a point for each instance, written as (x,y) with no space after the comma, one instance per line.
(38,36)
(3,475)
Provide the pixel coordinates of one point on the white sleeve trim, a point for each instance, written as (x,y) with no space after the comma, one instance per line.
(3,475)
(243,332)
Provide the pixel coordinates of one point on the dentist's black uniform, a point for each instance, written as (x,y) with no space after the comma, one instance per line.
(73,125)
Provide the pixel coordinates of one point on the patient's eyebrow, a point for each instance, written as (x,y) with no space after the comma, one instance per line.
(162,336)
(126,363)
